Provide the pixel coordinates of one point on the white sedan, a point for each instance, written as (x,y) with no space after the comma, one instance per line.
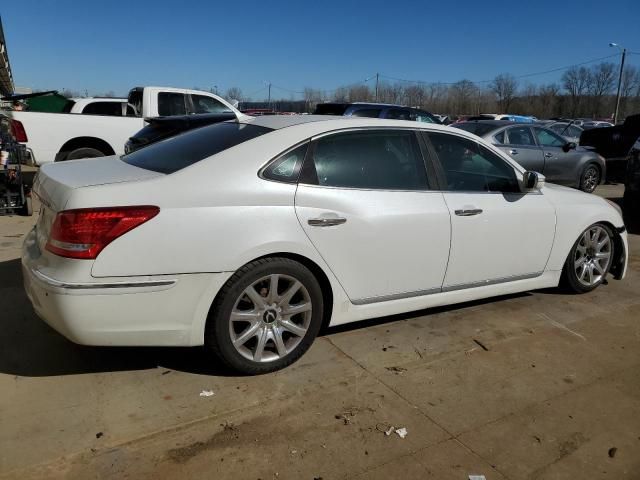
(249,236)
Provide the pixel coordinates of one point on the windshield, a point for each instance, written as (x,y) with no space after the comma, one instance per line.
(176,153)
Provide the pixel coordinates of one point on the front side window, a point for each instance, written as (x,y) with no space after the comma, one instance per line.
(470,167)
(521,136)
(547,138)
(286,167)
(204,104)
(170,103)
(381,159)
(398,114)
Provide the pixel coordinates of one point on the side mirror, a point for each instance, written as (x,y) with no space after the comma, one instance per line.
(533,180)
(568,146)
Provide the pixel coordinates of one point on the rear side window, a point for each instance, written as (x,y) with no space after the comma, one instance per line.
(103,108)
(386,160)
(286,167)
(170,103)
(204,104)
(521,136)
(398,114)
(470,167)
(178,152)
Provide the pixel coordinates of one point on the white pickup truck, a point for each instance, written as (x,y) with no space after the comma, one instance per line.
(51,137)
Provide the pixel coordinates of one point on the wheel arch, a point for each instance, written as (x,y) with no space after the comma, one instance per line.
(316,270)
(619,254)
(84,142)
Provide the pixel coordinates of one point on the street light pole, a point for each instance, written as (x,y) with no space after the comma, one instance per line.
(624,53)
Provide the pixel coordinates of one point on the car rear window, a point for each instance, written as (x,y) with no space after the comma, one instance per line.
(479,129)
(176,153)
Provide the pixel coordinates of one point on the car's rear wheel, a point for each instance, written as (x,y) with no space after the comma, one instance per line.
(266,316)
(589,260)
(590,178)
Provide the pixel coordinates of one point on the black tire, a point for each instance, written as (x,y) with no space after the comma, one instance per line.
(27,207)
(569,280)
(590,178)
(79,153)
(218,335)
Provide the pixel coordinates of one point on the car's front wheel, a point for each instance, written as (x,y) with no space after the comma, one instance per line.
(589,260)
(590,178)
(266,316)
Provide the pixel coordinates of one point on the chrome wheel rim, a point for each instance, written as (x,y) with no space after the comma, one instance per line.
(590,179)
(270,318)
(593,255)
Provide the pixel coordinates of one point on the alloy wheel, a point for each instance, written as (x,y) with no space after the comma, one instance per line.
(590,179)
(593,255)
(270,318)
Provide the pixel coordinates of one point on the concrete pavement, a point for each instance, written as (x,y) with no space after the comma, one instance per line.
(539,385)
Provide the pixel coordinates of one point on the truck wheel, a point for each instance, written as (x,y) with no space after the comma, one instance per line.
(84,153)
(27,207)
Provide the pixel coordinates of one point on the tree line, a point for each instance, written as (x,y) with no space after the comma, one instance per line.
(581,92)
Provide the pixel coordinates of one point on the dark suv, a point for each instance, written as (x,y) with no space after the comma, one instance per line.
(375,110)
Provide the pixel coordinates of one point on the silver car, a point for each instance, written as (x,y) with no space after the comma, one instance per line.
(542,150)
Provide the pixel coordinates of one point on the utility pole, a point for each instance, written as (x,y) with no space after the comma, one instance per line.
(615,113)
(269,101)
(377,78)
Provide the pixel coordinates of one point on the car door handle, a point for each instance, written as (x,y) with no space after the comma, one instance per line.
(326,222)
(548,154)
(468,212)
(513,151)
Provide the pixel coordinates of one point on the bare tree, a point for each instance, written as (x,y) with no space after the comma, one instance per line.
(630,88)
(462,94)
(359,93)
(601,81)
(234,93)
(575,81)
(414,96)
(312,97)
(504,86)
(109,94)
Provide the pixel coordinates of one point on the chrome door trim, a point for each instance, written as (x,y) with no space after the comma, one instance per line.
(451,288)
(395,296)
(495,281)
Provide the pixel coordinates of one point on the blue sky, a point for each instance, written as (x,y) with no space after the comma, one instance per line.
(115,45)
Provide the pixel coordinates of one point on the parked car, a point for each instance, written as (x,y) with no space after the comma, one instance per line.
(55,137)
(614,143)
(570,132)
(515,118)
(248,236)
(595,124)
(542,150)
(375,110)
(632,180)
(159,128)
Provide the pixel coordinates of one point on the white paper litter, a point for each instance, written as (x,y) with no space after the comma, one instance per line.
(207,393)
(402,432)
(477,477)
(390,431)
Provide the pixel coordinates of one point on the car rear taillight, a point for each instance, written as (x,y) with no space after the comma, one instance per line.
(17,130)
(84,232)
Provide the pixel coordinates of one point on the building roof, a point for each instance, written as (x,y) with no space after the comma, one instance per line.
(6,77)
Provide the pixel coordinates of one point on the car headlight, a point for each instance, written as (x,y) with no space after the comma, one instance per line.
(614,205)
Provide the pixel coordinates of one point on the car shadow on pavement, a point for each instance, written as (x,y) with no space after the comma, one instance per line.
(30,348)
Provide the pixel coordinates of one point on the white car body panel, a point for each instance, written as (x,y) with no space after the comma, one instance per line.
(405,235)
(512,237)
(218,214)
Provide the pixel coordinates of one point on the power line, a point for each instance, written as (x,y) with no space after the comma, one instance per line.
(526,75)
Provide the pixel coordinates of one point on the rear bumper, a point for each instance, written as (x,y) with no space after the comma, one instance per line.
(132,311)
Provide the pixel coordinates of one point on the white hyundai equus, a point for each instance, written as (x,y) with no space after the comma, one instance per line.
(248,236)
